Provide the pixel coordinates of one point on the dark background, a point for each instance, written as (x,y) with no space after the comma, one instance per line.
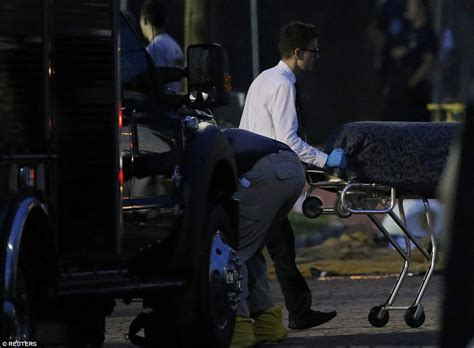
(342,87)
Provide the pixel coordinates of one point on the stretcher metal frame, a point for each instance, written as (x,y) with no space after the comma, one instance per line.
(373,199)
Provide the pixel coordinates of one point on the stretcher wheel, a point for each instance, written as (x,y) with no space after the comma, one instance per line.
(410,319)
(340,211)
(378,316)
(312,207)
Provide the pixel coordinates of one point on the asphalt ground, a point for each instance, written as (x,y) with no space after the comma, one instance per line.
(352,298)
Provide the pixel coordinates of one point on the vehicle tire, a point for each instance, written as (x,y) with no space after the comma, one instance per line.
(377,320)
(23,323)
(213,295)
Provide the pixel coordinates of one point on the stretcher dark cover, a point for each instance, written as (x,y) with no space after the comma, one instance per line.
(409,156)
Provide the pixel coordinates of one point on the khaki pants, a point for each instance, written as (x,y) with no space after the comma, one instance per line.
(266,194)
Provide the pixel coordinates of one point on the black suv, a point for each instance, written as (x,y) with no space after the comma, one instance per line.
(111,188)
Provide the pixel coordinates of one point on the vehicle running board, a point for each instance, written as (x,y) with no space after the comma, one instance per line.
(115,287)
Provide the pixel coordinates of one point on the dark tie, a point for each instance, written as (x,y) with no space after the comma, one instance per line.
(299,115)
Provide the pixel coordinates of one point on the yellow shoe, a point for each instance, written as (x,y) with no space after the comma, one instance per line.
(243,336)
(268,326)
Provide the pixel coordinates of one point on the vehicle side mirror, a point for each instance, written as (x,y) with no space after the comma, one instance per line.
(209,77)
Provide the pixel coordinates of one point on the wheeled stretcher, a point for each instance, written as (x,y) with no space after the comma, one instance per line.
(388,162)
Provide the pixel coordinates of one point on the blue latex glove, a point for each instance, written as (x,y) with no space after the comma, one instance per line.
(337,159)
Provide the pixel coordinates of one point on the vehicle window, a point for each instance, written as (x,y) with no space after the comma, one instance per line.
(135,64)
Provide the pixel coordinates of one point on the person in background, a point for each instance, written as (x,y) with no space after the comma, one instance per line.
(271,110)
(164,50)
(386,27)
(410,64)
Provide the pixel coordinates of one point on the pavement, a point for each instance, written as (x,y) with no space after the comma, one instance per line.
(352,298)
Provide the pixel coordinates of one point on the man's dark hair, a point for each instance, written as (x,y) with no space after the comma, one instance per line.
(296,35)
(154,11)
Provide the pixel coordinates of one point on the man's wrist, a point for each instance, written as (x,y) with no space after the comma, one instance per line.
(321,159)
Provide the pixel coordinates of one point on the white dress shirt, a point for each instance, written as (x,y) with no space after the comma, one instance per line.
(270,110)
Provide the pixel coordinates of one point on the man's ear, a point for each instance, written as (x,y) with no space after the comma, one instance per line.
(298,54)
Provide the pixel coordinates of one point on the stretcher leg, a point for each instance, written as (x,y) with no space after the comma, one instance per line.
(406,262)
(358,198)
(403,253)
(429,256)
(432,259)
(414,315)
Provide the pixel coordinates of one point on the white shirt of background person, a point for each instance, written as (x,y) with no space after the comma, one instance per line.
(165,51)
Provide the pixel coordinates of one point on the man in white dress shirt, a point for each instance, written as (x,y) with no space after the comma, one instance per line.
(164,50)
(271,110)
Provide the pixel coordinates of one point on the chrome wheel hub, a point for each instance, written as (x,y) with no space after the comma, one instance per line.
(224,281)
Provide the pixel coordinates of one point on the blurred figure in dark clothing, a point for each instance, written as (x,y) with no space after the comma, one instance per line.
(386,27)
(458,307)
(410,63)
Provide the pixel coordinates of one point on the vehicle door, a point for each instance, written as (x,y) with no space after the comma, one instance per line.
(149,148)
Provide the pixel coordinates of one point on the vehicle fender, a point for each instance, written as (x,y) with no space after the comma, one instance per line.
(210,177)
